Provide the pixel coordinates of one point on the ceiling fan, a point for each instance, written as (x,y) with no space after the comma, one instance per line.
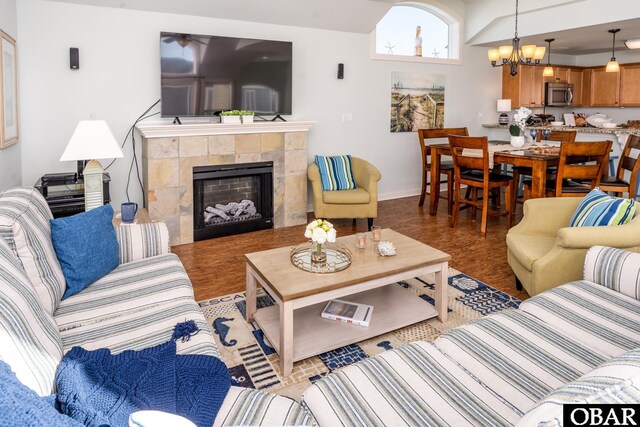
(183,40)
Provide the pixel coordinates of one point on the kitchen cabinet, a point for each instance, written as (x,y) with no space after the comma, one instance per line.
(630,85)
(605,88)
(525,89)
(576,76)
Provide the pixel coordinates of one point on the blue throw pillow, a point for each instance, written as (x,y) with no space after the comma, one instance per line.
(86,247)
(336,173)
(598,208)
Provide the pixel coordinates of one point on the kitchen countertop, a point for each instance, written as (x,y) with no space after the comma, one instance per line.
(581,129)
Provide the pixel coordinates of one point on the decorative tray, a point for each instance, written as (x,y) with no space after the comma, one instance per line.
(338,258)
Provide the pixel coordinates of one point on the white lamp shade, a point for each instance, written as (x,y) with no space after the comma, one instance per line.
(92,140)
(504,105)
(612,67)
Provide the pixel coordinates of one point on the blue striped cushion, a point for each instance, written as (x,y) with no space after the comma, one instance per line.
(615,269)
(598,208)
(336,173)
(29,337)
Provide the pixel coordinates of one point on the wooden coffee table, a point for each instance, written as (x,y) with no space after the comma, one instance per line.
(301,296)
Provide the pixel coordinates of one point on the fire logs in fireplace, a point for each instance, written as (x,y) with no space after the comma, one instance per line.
(231,212)
(216,191)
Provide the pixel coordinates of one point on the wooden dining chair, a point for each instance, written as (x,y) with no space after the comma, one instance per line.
(446,167)
(474,172)
(619,184)
(580,168)
(521,172)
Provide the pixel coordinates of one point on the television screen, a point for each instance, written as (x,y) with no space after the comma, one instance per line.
(202,75)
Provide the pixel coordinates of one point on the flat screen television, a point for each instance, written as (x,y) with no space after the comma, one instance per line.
(203,75)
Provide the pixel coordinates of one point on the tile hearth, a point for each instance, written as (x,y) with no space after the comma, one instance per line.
(168,163)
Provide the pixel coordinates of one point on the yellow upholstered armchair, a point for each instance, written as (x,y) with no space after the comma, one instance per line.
(361,202)
(545,252)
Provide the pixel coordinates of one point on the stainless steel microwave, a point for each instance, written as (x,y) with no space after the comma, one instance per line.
(558,94)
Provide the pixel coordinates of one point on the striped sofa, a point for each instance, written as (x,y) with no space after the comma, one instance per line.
(133,307)
(577,343)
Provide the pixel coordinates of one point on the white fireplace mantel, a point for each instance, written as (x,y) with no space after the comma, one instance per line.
(200,129)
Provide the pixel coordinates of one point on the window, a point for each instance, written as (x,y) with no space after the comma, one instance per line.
(417,32)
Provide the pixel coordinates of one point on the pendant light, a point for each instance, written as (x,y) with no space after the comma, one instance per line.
(515,55)
(548,70)
(613,66)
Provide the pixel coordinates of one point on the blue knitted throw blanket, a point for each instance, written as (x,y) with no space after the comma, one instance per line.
(21,406)
(98,388)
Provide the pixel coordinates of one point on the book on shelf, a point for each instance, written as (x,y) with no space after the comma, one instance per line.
(348,312)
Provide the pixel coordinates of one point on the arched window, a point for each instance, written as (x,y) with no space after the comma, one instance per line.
(418,31)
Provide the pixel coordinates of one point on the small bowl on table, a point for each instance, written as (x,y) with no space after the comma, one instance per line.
(556,124)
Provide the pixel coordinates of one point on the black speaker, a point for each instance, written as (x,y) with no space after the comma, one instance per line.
(341,71)
(74,58)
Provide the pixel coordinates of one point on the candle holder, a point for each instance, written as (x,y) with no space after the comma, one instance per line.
(361,240)
(376,233)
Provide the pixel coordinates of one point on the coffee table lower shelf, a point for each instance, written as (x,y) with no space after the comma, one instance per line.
(394,308)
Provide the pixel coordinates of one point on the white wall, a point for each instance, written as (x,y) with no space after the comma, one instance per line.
(10,163)
(492,20)
(119,77)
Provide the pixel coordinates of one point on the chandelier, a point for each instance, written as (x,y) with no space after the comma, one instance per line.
(514,55)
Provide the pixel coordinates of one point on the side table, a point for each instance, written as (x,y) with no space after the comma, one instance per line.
(142,217)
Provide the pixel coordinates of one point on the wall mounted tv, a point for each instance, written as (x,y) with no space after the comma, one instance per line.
(203,75)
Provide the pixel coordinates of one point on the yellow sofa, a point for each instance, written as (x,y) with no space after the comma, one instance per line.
(361,202)
(544,252)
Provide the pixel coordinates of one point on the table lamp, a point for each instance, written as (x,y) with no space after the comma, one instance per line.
(504,105)
(92,140)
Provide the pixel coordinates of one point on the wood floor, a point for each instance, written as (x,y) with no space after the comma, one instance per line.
(216,266)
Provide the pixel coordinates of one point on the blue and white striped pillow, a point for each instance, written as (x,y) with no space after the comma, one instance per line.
(598,208)
(336,173)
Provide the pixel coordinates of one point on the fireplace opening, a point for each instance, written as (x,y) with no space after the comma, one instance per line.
(232,199)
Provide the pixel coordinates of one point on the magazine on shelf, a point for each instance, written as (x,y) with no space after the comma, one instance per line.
(348,312)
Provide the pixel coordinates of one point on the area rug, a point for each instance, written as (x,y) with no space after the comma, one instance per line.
(254,363)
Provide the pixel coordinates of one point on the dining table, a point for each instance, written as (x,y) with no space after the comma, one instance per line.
(527,156)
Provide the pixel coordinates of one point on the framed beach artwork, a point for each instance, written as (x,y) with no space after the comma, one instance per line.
(417,101)
(8,92)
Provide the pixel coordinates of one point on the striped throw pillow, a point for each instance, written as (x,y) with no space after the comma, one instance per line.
(24,225)
(336,173)
(31,342)
(616,269)
(598,208)
(140,241)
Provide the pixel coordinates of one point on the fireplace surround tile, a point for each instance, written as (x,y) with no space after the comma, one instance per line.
(162,173)
(248,143)
(295,162)
(295,141)
(271,142)
(223,159)
(186,168)
(192,146)
(222,144)
(247,157)
(162,148)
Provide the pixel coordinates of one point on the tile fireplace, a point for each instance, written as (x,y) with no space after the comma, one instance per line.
(172,153)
